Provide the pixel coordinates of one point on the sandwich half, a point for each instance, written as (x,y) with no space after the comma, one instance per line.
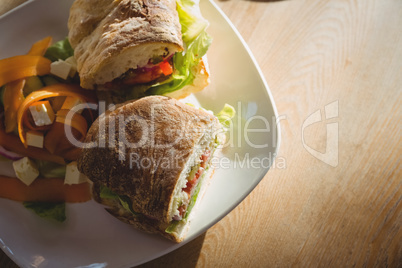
(150,162)
(132,48)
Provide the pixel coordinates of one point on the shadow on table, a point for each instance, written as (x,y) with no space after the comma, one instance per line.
(185,256)
(5,261)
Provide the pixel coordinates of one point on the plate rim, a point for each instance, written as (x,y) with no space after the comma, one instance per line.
(233,205)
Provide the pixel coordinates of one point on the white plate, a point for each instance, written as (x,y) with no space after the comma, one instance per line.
(91,237)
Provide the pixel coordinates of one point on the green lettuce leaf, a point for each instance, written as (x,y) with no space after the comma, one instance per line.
(106,193)
(55,211)
(50,170)
(226,115)
(194,196)
(59,50)
(191,20)
(197,42)
(172,227)
(125,201)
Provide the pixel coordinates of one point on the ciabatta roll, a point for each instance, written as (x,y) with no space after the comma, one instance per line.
(150,162)
(129,46)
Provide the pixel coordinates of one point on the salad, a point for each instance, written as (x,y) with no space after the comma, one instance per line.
(39,96)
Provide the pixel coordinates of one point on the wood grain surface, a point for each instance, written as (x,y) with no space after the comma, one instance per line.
(322,204)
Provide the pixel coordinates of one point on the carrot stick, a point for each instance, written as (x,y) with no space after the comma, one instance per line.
(13,143)
(40,47)
(74,120)
(57,143)
(13,97)
(72,154)
(22,66)
(44,190)
(27,122)
(55,90)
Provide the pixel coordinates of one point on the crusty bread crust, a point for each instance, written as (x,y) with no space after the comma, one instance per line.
(145,224)
(162,133)
(140,222)
(104,34)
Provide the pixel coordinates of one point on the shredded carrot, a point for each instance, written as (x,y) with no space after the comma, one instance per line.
(55,139)
(57,143)
(74,120)
(40,47)
(52,138)
(27,122)
(72,154)
(13,70)
(44,190)
(55,90)
(13,143)
(13,97)
(22,66)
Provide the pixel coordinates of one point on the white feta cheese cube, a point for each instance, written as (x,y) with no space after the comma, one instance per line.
(42,113)
(35,139)
(25,170)
(73,176)
(60,68)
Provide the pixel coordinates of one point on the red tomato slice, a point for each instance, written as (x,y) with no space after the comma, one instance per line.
(166,68)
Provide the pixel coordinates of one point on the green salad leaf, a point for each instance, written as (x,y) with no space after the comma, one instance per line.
(50,170)
(55,211)
(106,193)
(226,115)
(170,229)
(125,201)
(191,20)
(197,42)
(60,50)
(194,197)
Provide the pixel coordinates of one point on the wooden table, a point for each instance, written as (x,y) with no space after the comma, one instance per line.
(330,200)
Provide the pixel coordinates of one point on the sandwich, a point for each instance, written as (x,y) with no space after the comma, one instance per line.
(150,162)
(128,49)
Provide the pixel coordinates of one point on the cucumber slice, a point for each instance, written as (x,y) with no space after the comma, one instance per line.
(49,80)
(32,83)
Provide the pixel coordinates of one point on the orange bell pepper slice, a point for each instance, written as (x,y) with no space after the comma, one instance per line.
(72,154)
(73,120)
(56,141)
(27,122)
(44,190)
(13,97)
(13,143)
(39,48)
(54,137)
(55,90)
(22,66)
